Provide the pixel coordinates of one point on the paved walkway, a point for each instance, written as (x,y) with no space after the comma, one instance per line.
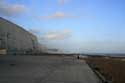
(45,69)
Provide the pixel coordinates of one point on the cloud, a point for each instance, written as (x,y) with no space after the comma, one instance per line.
(62,2)
(58,15)
(11,9)
(58,35)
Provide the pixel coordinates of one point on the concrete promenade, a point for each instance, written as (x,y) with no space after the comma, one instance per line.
(45,69)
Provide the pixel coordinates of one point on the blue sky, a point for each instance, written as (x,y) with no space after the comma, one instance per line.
(89,26)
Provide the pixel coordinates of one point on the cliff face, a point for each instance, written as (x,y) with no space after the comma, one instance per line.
(13,38)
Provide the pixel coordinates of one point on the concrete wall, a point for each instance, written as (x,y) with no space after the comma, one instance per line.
(13,38)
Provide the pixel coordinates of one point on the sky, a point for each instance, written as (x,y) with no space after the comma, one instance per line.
(77,26)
